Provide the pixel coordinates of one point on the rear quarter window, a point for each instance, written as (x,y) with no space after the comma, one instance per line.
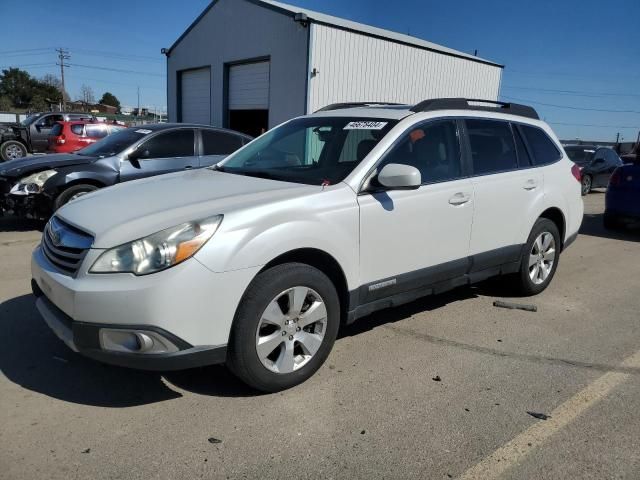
(543,148)
(57,129)
(96,131)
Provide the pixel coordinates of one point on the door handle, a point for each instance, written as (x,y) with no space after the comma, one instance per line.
(460,198)
(530,184)
(188,167)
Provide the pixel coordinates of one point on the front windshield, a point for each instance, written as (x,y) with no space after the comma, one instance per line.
(114,144)
(311,150)
(29,120)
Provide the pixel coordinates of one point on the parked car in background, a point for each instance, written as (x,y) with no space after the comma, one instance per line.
(597,167)
(622,200)
(32,134)
(580,154)
(71,136)
(37,186)
(325,219)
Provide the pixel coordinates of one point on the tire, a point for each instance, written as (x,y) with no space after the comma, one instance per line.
(71,193)
(11,150)
(610,223)
(263,314)
(587,184)
(527,282)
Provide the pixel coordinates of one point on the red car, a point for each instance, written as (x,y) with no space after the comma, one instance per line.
(68,137)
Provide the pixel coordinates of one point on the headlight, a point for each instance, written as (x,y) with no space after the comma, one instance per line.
(159,251)
(32,183)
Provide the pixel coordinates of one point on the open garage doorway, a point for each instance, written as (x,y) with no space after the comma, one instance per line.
(248,101)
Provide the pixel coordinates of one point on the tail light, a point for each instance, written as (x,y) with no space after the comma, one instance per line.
(61,139)
(576,172)
(616,178)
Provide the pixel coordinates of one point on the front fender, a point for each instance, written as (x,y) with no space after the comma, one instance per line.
(254,238)
(90,173)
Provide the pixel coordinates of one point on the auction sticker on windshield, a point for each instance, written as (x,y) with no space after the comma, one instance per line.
(143,131)
(365,125)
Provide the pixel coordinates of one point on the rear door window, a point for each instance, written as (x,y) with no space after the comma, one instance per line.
(178,143)
(56,130)
(219,143)
(524,160)
(544,150)
(492,146)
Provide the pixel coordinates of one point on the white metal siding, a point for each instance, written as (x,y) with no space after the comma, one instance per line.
(249,86)
(196,96)
(355,67)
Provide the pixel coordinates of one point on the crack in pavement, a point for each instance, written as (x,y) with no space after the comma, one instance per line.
(600,367)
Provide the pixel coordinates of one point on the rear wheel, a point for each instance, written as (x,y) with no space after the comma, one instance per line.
(72,193)
(285,327)
(12,149)
(587,184)
(539,258)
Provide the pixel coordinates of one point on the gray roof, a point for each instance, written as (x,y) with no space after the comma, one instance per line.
(330,20)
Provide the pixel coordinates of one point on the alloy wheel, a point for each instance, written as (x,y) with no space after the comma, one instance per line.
(542,258)
(291,330)
(586,184)
(13,151)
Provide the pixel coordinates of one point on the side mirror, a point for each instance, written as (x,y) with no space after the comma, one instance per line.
(396,176)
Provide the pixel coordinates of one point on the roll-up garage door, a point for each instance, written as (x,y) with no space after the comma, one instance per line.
(196,96)
(249,86)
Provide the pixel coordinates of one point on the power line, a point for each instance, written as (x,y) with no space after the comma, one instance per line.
(28,65)
(116,70)
(26,50)
(573,92)
(570,107)
(116,55)
(109,82)
(561,74)
(591,125)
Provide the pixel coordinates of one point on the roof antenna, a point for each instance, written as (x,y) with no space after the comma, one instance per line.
(475,52)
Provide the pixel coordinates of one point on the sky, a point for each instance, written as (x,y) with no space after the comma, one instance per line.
(576,61)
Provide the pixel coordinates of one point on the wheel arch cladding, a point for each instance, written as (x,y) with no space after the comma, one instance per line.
(556,216)
(322,261)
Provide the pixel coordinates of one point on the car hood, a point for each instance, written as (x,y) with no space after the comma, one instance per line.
(24,166)
(133,210)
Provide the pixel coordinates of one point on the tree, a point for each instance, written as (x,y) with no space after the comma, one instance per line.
(110,99)
(54,81)
(86,94)
(24,91)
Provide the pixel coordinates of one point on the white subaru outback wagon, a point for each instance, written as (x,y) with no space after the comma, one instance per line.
(324,219)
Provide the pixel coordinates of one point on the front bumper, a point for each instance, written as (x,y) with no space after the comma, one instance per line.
(37,206)
(187,307)
(84,338)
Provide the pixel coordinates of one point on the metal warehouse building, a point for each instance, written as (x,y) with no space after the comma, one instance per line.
(252,64)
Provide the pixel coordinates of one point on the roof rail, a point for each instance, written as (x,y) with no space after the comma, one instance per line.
(465,104)
(340,106)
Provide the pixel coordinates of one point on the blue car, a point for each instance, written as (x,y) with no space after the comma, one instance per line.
(622,200)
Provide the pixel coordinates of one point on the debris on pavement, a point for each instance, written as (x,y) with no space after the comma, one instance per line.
(539,416)
(515,306)
(88,450)
(214,440)
(437,378)
(363,432)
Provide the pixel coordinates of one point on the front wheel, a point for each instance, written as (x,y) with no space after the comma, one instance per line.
(12,150)
(587,184)
(539,259)
(284,328)
(72,193)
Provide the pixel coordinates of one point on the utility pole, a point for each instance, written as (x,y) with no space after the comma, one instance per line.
(617,137)
(63,54)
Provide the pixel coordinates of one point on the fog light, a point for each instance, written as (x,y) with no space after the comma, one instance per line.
(134,341)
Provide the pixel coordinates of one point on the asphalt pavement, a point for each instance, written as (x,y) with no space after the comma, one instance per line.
(445,387)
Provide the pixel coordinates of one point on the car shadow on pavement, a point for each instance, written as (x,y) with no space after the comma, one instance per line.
(14,224)
(592,225)
(403,312)
(34,358)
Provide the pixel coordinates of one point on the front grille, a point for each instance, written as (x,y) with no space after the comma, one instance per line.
(65,246)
